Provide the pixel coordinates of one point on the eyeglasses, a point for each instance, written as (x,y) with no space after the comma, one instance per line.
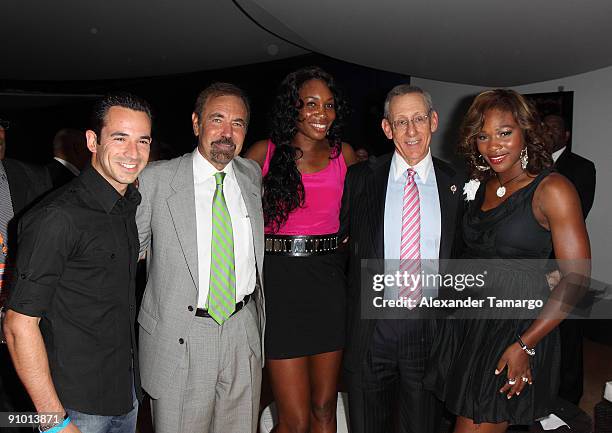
(418,121)
(4,124)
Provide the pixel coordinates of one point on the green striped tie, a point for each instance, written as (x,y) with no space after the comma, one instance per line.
(222,288)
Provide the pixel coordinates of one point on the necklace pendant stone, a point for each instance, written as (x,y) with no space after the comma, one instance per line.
(501,191)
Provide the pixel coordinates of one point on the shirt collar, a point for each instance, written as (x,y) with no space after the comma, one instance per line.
(68,165)
(104,192)
(203,170)
(557,153)
(422,168)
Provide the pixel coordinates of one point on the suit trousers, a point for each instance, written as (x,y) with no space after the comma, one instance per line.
(388,395)
(216,388)
(572,369)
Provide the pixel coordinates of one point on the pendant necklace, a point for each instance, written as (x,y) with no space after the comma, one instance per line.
(501,191)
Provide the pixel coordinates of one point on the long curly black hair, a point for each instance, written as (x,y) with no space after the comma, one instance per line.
(283,187)
(537,141)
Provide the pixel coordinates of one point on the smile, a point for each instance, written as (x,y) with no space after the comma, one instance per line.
(497,159)
(127,166)
(319,126)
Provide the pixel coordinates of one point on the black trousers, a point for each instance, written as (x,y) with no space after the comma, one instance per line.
(388,395)
(572,370)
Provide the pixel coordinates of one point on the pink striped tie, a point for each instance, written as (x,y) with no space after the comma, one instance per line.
(410,250)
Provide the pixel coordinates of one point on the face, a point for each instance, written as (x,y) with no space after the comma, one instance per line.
(319,111)
(2,142)
(122,150)
(362,154)
(221,130)
(411,138)
(500,141)
(556,126)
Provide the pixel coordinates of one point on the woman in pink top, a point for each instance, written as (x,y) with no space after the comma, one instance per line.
(304,164)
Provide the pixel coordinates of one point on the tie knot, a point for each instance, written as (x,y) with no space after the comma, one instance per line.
(219,178)
(411,174)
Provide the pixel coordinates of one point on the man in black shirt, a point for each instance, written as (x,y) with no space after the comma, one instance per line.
(70,324)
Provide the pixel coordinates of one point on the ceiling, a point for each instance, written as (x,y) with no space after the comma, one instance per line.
(480,42)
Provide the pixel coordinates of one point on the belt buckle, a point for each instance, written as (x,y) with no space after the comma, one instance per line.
(298,246)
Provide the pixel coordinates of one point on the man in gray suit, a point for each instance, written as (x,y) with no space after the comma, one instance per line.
(202,315)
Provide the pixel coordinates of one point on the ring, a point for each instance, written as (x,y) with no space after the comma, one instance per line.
(511,381)
(524,379)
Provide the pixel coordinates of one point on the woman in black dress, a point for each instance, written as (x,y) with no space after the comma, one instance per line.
(494,373)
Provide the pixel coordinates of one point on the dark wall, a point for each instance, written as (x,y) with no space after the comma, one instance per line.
(34,120)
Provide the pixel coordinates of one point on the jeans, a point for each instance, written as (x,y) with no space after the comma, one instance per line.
(87,423)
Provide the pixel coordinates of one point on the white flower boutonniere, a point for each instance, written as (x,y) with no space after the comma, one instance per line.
(470,188)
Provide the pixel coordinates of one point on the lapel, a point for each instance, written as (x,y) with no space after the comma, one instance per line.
(182,210)
(18,184)
(377,192)
(448,208)
(562,162)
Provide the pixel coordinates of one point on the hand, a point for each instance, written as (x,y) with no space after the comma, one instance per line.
(553,278)
(517,363)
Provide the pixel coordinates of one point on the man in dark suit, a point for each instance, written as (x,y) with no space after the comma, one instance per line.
(20,185)
(581,172)
(70,155)
(403,206)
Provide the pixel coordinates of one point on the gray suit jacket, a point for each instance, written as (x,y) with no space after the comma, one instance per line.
(167,230)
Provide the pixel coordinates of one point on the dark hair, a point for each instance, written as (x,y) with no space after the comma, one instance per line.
(536,139)
(220,89)
(119,99)
(283,187)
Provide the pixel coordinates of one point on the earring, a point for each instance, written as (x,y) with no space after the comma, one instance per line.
(483,164)
(524,158)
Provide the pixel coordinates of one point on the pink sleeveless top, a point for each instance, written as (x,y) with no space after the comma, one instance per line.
(323,189)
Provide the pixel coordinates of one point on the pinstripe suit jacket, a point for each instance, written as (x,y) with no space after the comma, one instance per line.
(362,220)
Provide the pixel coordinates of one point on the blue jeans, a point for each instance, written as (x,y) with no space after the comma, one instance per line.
(87,423)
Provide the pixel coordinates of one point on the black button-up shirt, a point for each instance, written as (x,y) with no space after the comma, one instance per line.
(76,267)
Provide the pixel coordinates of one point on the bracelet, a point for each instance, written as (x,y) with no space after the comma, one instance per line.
(57,428)
(528,351)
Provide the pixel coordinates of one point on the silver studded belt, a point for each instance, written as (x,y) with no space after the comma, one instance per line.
(301,246)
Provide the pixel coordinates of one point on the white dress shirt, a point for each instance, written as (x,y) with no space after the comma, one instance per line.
(429,200)
(557,153)
(431,225)
(244,252)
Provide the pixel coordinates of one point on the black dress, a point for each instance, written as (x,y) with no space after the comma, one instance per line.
(465,352)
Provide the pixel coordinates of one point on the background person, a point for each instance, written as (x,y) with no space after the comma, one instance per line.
(581,172)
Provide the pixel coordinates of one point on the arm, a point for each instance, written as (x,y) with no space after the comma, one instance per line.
(257,152)
(38,275)
(345,206)
(556,207)
(143,215)
(27,349)
(349,154)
